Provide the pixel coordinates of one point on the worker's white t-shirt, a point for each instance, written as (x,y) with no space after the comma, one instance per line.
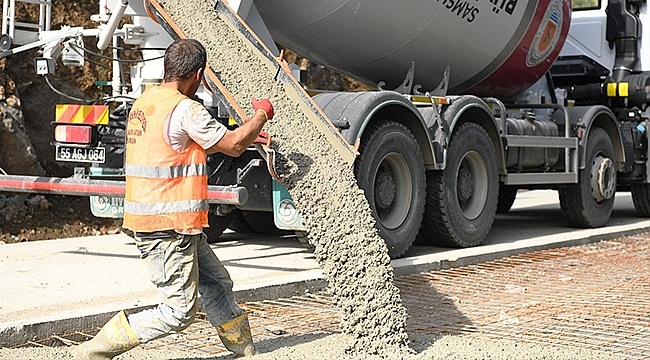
(191,122)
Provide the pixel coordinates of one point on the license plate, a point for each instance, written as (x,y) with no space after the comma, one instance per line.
(80,154)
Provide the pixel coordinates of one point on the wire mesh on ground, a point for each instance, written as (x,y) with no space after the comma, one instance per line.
(590,297)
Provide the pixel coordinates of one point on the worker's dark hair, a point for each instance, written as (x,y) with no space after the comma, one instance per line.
(183,58)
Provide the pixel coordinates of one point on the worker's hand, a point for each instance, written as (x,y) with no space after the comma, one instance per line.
(283,63)
(264,105)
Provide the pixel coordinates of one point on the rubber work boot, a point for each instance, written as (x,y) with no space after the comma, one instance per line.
(236,336)
(116,337)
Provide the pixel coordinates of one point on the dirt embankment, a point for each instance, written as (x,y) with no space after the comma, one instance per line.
(27,107)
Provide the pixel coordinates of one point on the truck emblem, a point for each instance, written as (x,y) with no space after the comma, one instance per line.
(547,34)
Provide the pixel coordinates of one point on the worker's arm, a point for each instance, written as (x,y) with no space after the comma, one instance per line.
(235,142)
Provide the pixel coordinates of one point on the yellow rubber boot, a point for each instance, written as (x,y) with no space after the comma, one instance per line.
(116,337)
(236,336)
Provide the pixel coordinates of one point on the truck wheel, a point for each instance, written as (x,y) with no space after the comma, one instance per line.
(462,199)
(390,170)
(641,198)
(507,196)
(218,225)
(239,224)
(262,223)
(589,203)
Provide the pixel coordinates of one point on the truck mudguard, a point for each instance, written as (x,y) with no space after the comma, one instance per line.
(351,112)
(469,108)
(586,117)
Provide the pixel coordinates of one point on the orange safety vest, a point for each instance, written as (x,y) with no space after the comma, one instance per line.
(165,189)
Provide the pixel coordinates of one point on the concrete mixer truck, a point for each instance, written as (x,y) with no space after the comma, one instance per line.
(474,101)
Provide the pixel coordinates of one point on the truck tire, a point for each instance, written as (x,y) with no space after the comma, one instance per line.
(262,223)
(507,196)
(462,199)
(254,222)
(390,170)
(641,198)
(112,137)
(218,224)
(239,224)
(589,203)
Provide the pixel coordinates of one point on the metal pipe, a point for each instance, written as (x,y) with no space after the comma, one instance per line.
(109,29)
(12,19)
(116,82)
(231,195)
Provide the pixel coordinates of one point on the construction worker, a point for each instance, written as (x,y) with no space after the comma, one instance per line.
(166,206)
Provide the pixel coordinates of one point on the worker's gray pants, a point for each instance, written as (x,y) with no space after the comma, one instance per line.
(179,265)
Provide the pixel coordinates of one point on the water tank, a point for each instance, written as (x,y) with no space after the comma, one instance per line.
(493,47)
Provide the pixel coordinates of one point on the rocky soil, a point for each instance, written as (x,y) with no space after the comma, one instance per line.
(25,218)
(27,107)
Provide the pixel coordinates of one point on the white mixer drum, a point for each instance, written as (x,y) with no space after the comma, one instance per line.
(493,47)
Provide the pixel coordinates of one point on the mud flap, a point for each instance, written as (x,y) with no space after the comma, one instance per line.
(285,214)
(106,206)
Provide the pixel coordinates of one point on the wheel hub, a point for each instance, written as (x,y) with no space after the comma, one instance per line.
(465,186)
(384,190)
(603,178)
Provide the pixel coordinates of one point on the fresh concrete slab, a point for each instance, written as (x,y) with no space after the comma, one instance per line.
(46,282)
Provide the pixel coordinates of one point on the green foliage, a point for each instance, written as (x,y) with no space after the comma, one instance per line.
(585,4)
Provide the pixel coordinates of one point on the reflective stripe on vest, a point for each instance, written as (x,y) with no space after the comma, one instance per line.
(166,172)
(166,207)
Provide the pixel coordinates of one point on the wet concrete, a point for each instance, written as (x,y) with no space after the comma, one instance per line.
(348,248)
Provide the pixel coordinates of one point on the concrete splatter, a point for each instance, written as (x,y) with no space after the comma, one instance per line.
(351,253)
